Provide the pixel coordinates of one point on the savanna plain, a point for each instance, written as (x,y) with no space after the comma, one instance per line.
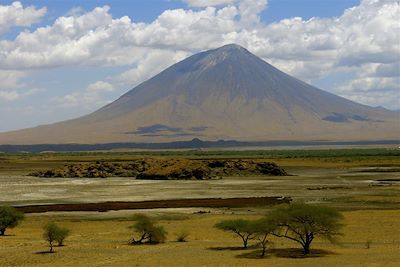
(362,183)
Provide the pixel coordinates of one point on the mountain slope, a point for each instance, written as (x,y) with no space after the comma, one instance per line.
(225,93)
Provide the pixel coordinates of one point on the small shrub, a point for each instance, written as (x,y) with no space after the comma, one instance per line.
(147,230)
(63,234)
(53,233)
(182,236)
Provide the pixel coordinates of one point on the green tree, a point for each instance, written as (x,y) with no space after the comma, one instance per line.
(54,233)
(63,233)
(302,223)
(243,228)
(147,230)
(9,218)
(263,229)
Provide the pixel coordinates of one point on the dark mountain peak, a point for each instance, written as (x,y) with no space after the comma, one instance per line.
(230,48)
(230,53)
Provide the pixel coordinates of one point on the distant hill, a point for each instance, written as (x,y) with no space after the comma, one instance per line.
(226,93)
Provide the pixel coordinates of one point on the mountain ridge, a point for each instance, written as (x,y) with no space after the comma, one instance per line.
(223,93)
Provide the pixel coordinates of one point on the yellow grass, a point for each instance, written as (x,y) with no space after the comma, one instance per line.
(95,242)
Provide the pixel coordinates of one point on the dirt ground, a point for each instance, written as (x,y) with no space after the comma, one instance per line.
(102,241)
(348,188)
(365,188)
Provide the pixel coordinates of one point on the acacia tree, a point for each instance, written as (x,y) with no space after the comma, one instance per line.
(9,218)
(50,234)
(63,233)
(263,229)
(302,223)
(54,233)
(148,231)
(243,228)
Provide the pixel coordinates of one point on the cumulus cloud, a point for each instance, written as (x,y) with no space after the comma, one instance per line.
(152,63)
(10,79)
(12,95)
(17,15)
(9,95)
(12,88)
(100,86)
(363,40)
(87,99)
(96,39)
(249,11)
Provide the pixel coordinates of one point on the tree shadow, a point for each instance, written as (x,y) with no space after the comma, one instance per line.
(226,248)
(294,253)
(254,254)
(297,253)
(232,248)
(44,252)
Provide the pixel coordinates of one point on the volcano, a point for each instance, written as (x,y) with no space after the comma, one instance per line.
(224,93)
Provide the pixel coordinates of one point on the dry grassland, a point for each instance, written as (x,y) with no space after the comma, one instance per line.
(103,242)
(345,179)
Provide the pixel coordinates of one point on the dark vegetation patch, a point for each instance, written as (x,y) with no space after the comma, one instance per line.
(198,129)
(336,117)
(383,182)
(165,130)
(165,169)
(359,118)
(194,144)
(156,128)
(339,117)
(328,187)
(381,170)
(159,204)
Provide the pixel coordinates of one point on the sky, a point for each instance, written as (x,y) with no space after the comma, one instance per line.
(63,59)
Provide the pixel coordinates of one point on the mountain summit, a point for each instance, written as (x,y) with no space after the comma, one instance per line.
(224,93)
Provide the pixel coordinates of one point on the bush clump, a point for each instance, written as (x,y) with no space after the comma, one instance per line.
(9,218)
(55,234)
(147,231)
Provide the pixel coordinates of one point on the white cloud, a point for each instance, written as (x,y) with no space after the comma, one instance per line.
(364,40)
(205,3)
(9,95)
(151,64)
(88,99)
(96,39)
(100,86)
(12,95)
(388,70)
(85,101)
(16,15)
(12,88)
(375,91)
(10,79)
(249,11)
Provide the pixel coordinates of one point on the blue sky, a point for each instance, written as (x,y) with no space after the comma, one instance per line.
(63,59)
(148,10)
